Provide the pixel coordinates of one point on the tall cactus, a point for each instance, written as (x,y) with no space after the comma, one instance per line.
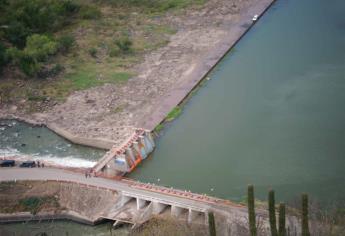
(305,226)
(272,213)
(282,228)
(211,224)
(251,210)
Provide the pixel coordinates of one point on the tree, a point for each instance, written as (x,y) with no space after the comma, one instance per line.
(211,224)
(305,221)
(272,213)
(251,210)
(30,59)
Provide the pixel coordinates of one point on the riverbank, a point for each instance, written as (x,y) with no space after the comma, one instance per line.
(105,116)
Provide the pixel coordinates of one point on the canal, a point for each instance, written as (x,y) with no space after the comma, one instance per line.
(271,115)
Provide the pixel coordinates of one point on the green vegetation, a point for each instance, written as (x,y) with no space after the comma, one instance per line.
(49,47)
(159,128)
(211,224)
(305,215)
(251,210)
(282,228)
(174,113)
(272,213)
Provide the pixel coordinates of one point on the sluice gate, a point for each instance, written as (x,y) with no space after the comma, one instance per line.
(120,160)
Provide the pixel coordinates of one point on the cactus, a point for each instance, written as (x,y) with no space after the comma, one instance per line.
(211,224)
(305,226)
(251,210)
(272,213)
(282,229)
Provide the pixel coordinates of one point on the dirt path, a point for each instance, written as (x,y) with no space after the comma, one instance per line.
(104,116)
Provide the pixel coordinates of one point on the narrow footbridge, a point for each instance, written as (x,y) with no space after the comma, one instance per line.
(138,202)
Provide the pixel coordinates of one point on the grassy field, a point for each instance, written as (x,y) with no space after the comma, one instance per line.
(110,37)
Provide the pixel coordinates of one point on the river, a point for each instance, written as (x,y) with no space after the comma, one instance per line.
(271,114)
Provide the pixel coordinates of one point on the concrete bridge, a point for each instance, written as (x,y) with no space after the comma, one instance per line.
(138,202)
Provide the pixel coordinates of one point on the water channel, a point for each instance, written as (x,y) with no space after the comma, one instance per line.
(271,114)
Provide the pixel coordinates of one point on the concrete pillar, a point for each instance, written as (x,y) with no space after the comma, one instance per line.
(206,218)
(140,203)
(136,149)
(148,145)
(150,138)
(142,147)
(191,215)
(176,211)
(125,199)
(130,154)
(158,207)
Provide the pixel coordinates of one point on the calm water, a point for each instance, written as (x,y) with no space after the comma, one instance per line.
(272,115)
(30,142)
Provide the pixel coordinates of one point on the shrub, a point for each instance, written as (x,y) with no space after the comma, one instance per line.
(90,13)
(93,52)
(66,42)
(124,44)
(3,59)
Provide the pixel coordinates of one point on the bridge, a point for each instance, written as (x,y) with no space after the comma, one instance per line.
(137,202)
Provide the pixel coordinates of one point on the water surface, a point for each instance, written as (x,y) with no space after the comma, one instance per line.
(272,114)
(25,141)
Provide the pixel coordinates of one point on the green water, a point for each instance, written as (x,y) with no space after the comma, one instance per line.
(272,115)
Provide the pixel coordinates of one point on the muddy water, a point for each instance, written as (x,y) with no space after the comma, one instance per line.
(271,115)
(23,141)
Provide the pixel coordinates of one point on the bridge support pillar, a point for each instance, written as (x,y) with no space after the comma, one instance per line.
(140,203)
(158,207)
(176,211)
(125,199)
(191,215)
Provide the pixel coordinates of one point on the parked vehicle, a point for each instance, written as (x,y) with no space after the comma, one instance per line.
(7,163)
(28,164)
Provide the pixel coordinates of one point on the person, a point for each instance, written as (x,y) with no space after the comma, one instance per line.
(42,165)
(38,164)
(86,174)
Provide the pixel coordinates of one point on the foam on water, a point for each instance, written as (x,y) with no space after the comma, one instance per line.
(67,161)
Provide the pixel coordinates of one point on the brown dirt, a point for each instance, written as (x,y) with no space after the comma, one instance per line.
(88,202)
(95,113)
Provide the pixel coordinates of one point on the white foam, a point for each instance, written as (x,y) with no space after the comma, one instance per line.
(68,161)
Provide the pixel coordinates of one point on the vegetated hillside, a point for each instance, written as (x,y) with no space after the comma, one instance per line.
(49,48)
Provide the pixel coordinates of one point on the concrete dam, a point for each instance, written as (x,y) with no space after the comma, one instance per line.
(123,159)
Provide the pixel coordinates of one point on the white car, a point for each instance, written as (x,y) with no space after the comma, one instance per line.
(255,17)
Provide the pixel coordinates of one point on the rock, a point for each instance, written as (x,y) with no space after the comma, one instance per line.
(13,108)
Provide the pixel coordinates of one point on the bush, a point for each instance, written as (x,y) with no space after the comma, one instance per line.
(90,13)
(3,59)
(66,42)
(37,51)
(93,52)
(124,44)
